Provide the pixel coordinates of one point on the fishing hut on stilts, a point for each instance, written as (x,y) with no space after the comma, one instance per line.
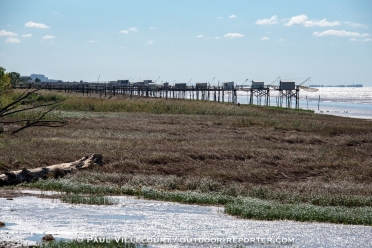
(259,91)
(287,93)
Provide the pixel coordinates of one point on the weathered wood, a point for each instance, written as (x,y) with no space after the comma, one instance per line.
(27,175)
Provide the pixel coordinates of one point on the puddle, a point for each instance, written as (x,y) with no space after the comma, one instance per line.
(165,224)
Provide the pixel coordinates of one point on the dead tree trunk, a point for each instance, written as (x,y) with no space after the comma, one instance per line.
(25,175)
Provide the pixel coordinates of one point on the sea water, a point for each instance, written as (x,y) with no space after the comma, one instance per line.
(353,102)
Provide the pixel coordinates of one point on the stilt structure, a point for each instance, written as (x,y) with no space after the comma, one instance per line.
(259,91)
(229,89)
(287,92)
(202,92)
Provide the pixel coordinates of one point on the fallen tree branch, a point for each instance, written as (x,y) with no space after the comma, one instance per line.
(25,175)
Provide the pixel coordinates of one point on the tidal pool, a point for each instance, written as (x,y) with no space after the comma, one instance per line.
(165,224)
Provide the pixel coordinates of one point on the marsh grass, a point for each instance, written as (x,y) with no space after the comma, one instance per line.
(88,199)
(188,197)
(250,208)
(36,113)
(169,187)
(170,106)
(315,198)
(70,187)
(307,193)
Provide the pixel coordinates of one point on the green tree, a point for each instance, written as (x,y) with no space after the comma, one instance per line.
(14,77)
(37,80)
(25,79)
(5,86)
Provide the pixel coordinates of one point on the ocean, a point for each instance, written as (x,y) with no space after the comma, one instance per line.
(355,102)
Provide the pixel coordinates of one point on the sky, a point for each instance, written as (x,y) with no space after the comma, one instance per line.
(190,40)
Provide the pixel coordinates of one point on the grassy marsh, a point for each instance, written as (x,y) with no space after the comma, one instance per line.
(182,149)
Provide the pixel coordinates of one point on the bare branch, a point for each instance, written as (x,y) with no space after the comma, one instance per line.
(16,101)
(33,107)
(13,108)
(34,122)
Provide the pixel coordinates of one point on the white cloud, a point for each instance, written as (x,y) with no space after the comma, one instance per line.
(368,39)
(232,16)
(304,20)
(281,39)
(200,36)
(132,29)
(12,40)
(216,38)
(272,20)
(26,35)
(353,39)
(7,33)
(35,25)
(297,20)
(356,25)
(125,31)
(340,33)
(48,37)
(91,41)
(150,42)
(233,35)
(265,38)
(322,23)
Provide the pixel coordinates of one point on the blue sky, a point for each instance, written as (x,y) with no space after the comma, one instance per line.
(198,40)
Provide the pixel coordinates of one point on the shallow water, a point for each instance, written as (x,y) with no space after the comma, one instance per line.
(29,218)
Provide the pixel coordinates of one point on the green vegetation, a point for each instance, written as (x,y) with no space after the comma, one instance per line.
(5,87)
(250,208)
(163,106)
(14,77)
(89,199)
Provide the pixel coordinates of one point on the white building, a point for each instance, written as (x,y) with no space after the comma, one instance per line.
(42,77)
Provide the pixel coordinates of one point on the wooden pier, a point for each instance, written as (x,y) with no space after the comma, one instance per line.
(208,93)
(227,92)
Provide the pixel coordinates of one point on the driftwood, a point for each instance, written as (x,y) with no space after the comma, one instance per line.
(25,175)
